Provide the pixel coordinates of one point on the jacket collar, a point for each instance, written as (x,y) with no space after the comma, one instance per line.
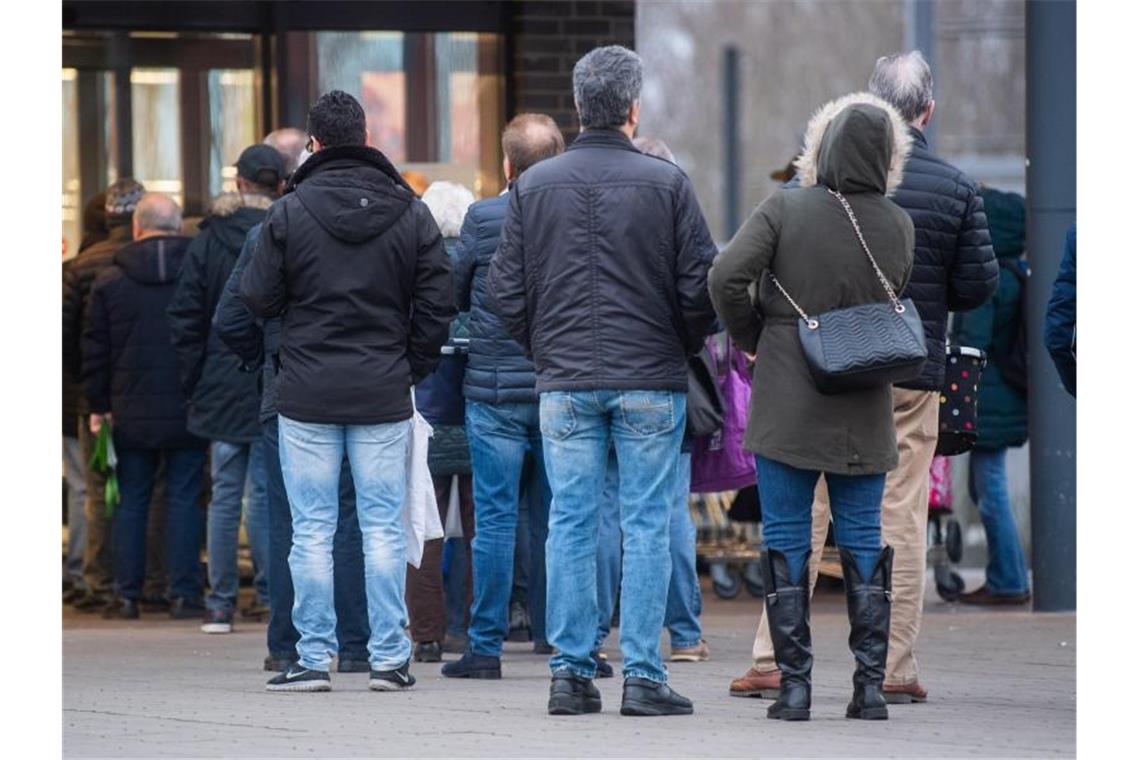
(918,135)
(603,138)
(358,153)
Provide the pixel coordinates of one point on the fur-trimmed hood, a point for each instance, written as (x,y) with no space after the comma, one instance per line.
(228,203)
(856,143)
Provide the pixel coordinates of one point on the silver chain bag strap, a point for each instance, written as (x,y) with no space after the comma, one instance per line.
(862,346)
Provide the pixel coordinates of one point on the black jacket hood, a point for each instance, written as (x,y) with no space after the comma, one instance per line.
(153,260)
(354,192)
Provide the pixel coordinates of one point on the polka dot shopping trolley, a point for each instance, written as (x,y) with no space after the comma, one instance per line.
(957,434)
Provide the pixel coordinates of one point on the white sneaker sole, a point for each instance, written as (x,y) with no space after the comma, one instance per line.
(300,686)
(217,628)
(688,658)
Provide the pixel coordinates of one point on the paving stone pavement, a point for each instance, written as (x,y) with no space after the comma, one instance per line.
(1002,684)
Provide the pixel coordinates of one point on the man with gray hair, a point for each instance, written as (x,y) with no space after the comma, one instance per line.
(131,380)
(601,276)
(954,270)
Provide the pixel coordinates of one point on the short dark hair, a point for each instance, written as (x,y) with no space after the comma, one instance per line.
(529,138)
(337,119)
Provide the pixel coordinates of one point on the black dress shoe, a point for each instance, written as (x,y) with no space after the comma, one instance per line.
(121,609)
(640,696)
(573,695)
(472,665)
(187,609)
(278,664)
(428,651)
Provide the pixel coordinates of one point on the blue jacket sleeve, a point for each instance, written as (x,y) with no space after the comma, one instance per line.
(262,287)
(506,277)
(234,323)
(1061,316)
(465,262)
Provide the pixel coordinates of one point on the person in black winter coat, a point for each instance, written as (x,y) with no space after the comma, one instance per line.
(501,419)
(79,275)
(355,264)
(601,276)
(224,401)
(130,375)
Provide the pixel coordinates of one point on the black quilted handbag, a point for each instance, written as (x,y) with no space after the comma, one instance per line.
(861,346)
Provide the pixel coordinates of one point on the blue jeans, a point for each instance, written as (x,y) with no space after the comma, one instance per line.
(786,496)
(136,470)
(73,472)
(311,456)
(501,435)
(578,427)
(1005,570)
(236,469)
(683,605)
(348,564)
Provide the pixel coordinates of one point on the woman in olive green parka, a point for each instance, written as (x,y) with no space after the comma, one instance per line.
(855,146)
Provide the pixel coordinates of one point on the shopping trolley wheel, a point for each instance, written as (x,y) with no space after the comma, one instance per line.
(753,579)
(954,541)
(726,583)
(948,583)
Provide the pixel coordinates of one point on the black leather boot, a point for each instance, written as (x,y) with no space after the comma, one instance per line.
(787,605)
(572,695)
(869,610)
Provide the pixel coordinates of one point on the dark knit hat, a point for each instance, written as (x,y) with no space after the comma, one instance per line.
(122,197)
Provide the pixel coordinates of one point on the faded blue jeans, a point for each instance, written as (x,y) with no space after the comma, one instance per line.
(237,471)
(311,456)
(1005,570)
(500,435)
(786,497)
(645,428)
(683,606)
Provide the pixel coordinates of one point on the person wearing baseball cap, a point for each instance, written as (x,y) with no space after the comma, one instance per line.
(224,401)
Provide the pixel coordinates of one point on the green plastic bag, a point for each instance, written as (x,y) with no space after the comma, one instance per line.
(103,460)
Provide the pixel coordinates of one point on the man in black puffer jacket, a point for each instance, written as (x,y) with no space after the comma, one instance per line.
(954,270)
(502,418)
(601,276)
(224,401)
(130,375)
(355,264)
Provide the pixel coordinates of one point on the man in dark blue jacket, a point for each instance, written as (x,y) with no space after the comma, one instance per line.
(130,376)
(1061,316)
(224,400)
(602,276)
(501,410)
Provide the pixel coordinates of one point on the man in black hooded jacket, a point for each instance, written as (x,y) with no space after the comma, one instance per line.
(356,264)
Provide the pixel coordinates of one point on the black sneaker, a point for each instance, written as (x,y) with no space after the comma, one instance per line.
(472,665)
(392,680)
(640,696)
(187,609)
(121,609)
(218,621)
(428,651)
(352,664)
(572,695)
(543,647)
(299,678)
(277,664)
(605,670)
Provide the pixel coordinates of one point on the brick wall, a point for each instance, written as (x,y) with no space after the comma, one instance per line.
(549,38)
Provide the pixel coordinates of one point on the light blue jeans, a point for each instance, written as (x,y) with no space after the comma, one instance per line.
(311,456)
(683,606)
(1005,570)
(236,470)
(645,429)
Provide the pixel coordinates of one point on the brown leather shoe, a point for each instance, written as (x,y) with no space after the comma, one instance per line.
(986,598)
(764,684)
(904,693)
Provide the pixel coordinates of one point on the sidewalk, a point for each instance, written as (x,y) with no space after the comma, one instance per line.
(1002,683)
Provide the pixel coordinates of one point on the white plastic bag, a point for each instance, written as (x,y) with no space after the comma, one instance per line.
(421,515)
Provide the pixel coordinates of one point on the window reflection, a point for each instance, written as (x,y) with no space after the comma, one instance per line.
(233,123)
(156,130)
(72,203)
(369,65)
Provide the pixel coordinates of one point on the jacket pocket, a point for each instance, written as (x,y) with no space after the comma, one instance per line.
(648,412)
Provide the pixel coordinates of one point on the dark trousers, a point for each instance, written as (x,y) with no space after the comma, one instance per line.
(427,604)
(348,564)
(137,471)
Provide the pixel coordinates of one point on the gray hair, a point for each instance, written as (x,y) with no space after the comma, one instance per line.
(607,81)
(448,202)
(654,146)
(904,81)
(157,212)
(290,143)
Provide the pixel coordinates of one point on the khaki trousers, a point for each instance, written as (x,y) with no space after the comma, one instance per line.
(905,504)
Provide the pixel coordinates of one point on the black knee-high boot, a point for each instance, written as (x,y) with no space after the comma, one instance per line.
(787,605)
(869,610)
